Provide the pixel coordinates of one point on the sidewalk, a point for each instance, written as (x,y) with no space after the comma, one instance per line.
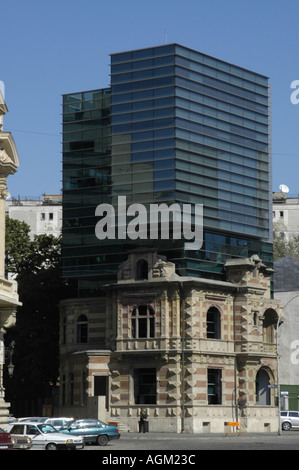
(172,442)
(183,436)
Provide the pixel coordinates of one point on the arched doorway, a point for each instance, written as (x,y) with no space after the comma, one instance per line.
(262,383)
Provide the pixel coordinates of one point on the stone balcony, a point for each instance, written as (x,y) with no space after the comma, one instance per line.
(255,347)
(169,344)
(8,293)
(9,301)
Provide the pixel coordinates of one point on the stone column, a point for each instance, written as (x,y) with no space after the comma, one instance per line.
(4,407)
(8,289)
(3,196)
(9,300)
(2,360)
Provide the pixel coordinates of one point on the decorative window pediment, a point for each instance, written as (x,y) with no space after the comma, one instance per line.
(9,160)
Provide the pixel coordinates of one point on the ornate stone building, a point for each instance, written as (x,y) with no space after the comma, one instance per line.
(195,353)
(9,162)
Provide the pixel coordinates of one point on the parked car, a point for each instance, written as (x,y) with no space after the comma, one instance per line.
(94,431)
(39,419)
(59,423)
(6,442)
(22,442)
(44,436)
(289,419)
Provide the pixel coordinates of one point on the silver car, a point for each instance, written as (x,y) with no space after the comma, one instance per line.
(289,419)
(59,423)
(44,436)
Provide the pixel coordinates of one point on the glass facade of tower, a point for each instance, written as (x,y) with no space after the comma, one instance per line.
(180,127)
(86,179)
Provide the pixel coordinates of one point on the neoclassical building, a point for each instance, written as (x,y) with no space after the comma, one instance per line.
(9,300)
(196,353)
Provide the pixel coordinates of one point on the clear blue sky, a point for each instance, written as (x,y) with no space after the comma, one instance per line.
(49,48)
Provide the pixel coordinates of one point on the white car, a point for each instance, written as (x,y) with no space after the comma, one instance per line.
(44,436)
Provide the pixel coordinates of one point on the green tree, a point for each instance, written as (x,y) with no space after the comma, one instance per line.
(37,266)
(17,245)
(284,247)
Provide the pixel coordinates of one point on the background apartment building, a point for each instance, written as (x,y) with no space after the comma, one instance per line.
(286,214)
(286,290)
(43,215)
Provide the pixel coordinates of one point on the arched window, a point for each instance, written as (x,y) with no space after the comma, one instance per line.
(269,325)
(82,329)
(262,383)
(213,323)
(143,322)
(141,270)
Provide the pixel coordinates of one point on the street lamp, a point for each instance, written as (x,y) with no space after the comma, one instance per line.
(278,383)
(9,351)
(10,369)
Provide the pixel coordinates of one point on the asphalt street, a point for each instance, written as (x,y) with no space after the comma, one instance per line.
(198,442)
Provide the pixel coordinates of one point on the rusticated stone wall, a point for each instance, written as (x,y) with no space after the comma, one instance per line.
(180,351)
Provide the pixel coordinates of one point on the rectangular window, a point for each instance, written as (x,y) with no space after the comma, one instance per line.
(83,388)
(214,386)
(63,389)
(101,387)
(145,388)
(71,389)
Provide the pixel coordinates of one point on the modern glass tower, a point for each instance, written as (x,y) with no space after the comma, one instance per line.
(178,126)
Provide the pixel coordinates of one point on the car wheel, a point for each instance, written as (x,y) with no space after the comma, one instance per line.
(286,426)
(51,446)
(103,440)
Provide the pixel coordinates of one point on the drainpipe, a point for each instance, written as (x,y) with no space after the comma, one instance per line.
(235,371)
(278,385)
(182,308)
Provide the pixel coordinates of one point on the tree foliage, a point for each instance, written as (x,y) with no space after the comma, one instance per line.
(36,265)
(17,245)
(284,247)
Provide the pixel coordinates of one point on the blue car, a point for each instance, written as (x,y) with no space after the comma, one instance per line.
(93,431)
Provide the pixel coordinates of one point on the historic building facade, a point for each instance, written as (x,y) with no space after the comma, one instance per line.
(9,301)
(196,353)
(189,334)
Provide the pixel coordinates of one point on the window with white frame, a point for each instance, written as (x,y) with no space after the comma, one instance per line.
(143,322)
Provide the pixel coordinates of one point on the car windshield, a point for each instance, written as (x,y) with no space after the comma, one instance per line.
(2,430)
(46,428)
